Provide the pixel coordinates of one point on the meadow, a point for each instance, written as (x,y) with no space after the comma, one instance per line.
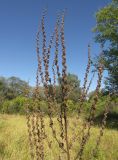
(14,141)
(64,120)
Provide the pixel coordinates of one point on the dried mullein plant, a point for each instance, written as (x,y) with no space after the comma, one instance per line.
(49,72)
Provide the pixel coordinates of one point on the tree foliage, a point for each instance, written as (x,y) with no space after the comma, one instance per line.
(74,89)
(107,34)
(12,87)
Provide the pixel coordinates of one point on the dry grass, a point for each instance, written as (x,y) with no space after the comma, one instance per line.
(14,141)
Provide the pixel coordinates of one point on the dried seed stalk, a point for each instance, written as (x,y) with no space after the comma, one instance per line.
(86,136)
(64,86)
(103,124)
(40,128)
(38,56)
(60,118)
(28,116)
(35,121)
(55,62)
(87,90)
(46,86)
(56,47)
(83,95)
(29,126)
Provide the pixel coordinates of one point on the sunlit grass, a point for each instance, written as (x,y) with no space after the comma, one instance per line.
(14,141)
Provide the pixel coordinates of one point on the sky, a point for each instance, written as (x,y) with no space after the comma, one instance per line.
(19,21)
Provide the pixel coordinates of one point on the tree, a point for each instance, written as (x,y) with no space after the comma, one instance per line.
(12,87)
(16,85)
(73,84)
(2,89)
(107,34)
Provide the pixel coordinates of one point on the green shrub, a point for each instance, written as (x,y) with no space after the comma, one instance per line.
(44,106)
(16,105)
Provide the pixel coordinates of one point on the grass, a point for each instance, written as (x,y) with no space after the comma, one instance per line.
(14,141)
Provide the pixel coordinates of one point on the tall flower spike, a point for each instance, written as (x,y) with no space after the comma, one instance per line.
(46,86)
(64,86)
(29,125)
(38,55)
(83,95)
(57,45)
(28,116)
(44,46)
(55,61)
(84,92)
(103,124)
(86,136)
(87,90)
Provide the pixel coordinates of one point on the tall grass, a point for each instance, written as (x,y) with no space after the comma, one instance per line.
(14,140)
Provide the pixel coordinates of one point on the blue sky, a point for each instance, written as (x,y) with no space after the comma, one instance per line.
(19,21)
